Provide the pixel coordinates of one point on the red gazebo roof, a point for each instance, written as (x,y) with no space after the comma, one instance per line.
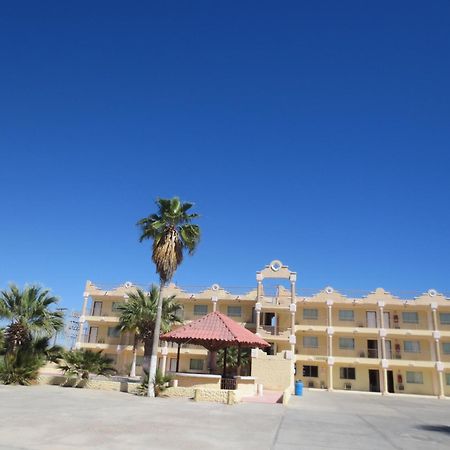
(215,331)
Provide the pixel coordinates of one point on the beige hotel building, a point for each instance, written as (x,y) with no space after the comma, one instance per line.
(377,342)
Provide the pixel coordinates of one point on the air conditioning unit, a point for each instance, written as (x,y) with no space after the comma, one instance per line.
(310,384)
(348,386)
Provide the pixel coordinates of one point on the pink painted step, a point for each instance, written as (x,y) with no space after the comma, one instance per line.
(267,397)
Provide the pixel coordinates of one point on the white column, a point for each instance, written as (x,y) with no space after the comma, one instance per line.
(330,314)
(164,353)
(82,319)
(258,301)
(214,302)
(330,373)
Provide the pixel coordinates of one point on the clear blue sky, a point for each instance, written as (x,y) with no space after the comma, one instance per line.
(314,132)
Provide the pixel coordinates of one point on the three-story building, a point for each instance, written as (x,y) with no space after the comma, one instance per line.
(376,342)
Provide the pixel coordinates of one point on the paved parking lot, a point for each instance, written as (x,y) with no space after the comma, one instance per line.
(54,418)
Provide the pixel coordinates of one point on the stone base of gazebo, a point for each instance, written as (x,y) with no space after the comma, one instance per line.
(205,387)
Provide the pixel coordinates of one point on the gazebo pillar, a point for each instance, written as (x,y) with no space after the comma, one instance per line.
(178,358)
(239,361)
(224,373)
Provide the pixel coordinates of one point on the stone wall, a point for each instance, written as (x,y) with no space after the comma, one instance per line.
(273,372)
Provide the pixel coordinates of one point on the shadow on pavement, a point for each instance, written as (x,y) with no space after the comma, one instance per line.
(439,428)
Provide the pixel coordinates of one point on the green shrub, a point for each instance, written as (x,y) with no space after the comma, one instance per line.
(81,363)
(161,382)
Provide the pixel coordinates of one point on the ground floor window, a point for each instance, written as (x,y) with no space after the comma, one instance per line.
(446,348)
(347,373)
(414,377)
(447,378)
(310,371)
(173,365)
(196,364)
(112,357)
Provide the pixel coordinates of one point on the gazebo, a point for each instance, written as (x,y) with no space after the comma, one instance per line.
(215,331)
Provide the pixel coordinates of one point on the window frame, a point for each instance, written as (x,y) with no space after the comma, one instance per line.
(198,313)
(405,313)
(444,322)
(346,372)
(345,347)
(342,319)
(446,348)
(110,333)
(411,377)
(413,348)
(310,346)
(202,361)
(309,310)
(235,307)
(308,368)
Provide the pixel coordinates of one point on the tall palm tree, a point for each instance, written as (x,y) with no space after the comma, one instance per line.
(29,314)
(138,316)
(173,233)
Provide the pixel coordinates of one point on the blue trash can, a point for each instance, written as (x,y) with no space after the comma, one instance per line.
(299,388)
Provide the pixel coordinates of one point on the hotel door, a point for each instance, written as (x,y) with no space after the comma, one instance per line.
(97,310)
(93,332)
(374,380)
(390,381)
(371,319)
(388,345)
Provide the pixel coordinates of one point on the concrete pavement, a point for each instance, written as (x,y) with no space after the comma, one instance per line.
(54,418)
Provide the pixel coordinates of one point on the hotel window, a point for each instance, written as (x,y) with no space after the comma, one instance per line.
(196,364)
(447,378)
(347,315)
(446,348)
(310,314)
(311,371)
(346,343)
(411,346)
(173,365)
(179,313)
(234,311)
(112,357)
(113,332)
(414,377)
(410,317)
(115,306)
(444,318)
(310,341)
(347,373)
(200,310)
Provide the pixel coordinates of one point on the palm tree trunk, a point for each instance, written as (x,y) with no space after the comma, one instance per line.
(154,356)
(133,364)
(148,342)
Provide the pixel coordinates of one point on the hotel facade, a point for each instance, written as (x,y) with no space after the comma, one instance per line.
(376,342)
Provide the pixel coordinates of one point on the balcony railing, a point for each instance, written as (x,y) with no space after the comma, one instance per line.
(275,330)
(313,351)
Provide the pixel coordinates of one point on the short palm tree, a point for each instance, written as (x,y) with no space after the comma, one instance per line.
(29,314)
(138,316)
(81,363)
(22,366)
(172,232)
(234,360)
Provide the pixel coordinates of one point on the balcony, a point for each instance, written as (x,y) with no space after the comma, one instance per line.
(102,319)
(271,332)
